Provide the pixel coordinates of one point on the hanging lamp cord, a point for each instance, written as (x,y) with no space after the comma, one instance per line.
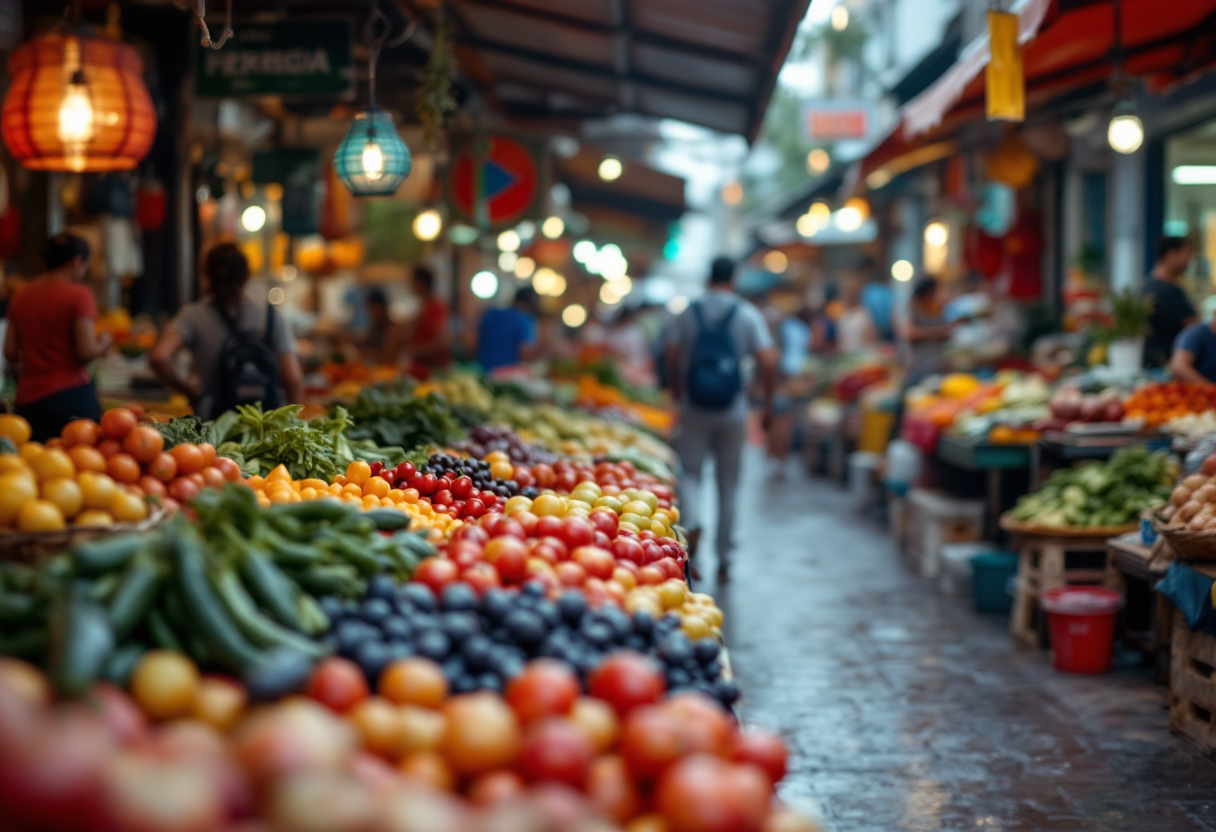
(199,8)
(375,35)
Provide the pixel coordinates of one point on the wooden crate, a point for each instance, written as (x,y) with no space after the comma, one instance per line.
(1046,562)
(1193,685)
(935,519)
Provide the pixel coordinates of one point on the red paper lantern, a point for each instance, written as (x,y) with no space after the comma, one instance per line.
(150,205)
(77,104)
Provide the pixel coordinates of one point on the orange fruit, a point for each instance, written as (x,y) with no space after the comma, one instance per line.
(30,450)
(123,468)
(376,487)
(117,423)
(65,494)
(414,681)
(52,465)
(39,516)
(144,443)
(15,429)
(87,458)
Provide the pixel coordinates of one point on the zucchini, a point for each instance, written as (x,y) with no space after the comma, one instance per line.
(314,618)
(98,557)
(327,510)
(27,644)
(283,673)
(273,590)
(224,642)
(135,595)
(388,519)
(81,641)
(339,579)
(123,662)
(162,632)
(257,628)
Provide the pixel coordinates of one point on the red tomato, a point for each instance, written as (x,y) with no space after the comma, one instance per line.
(183,490)
(471,533)
(506,527)
(509,556)
(764,749)
(109,447)
(144,443)
(164,467)
(436,573)
(473,508)
(81,432)
(626,680)
(442,498)
(708,728)
(462,488)
(212,477)
(556,750)
(650,742)
(611,789)
(523,477)
(196,478)
(598,562)
(627,549)
(577,532)
(629,566)
(548,580)
(650,576)
(570,574)
(543,551)
(482,733)
(189,458)
(481,576)
(545,476)
(606,521)
(338,684)
(703,793)
(229,468)
(566,482)
(208,452)
(547,527)
(669,567)
(464,553)
(546,688)
(151,485)
(526,519)
(558,545)
(117,423)
(123,468)
(426,485)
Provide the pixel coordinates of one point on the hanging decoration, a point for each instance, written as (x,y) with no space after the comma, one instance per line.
(1125,133)
(77,103)
(436,99)
(150,204)
(200,16)
(373,160)
(1004,78)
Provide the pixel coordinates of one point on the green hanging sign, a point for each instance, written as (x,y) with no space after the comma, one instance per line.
(292,58)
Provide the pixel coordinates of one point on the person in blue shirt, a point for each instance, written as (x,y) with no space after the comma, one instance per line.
(508,336)
(1194,357)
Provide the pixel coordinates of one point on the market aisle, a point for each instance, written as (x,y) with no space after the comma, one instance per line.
(907,711)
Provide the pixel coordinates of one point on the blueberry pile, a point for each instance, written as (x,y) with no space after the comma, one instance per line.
(485,439)
(482,643)
(474,469)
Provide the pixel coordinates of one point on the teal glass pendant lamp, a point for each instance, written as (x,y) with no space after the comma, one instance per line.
(372,160)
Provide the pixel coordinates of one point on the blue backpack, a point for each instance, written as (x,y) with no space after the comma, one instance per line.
(714,376)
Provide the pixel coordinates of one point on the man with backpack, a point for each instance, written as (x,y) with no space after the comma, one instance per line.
(707,347)
(243,351)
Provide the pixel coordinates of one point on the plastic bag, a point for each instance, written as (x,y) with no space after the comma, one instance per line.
(1191,593)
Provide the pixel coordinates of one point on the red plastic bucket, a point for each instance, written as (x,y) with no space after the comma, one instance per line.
(1082,621)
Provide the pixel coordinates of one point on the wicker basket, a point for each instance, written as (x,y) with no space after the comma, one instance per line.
(1016,527)
(1186,544)
(17,547)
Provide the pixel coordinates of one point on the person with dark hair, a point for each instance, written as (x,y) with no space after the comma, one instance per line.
(1172,309)
(242,349)
(923,332)
(707,346)
(52,337)
(430,340)
(377,341)
(509,336)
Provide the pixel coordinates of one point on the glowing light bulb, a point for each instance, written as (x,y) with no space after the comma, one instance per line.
(1126,132)
(373,160)
(428,225)
(849,218)
(509,241)
(76,113)
(611,169)
(553,227)
(485,284)
(574,315)
(253,218)
(776,262)
(936,234)
(902,270)
(840,18)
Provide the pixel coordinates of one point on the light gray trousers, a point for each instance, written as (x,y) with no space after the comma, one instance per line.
(721,435)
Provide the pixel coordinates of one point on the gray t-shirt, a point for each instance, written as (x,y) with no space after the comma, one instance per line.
(204,333)
(748,334)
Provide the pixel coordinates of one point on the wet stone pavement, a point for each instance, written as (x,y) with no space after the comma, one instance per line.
(906,710)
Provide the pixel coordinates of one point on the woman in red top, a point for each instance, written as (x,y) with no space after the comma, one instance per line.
(430,343)
(51,339)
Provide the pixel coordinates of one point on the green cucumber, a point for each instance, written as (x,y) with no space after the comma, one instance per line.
(98,557)
(81,641)
(15,608)
(223,639)
(123,662)
(313,511)
(258,628)
(135,595)
(273,590)
(340,579)
(388,519)
(162,633)
(314,619)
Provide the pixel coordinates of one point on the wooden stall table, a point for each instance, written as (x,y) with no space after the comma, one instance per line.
(1147,619)
(990,459)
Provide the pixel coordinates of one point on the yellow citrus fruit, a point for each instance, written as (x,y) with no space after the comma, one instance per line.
(93,517)
(15,429)
(52,465)
(97,490)
(39,516)
(127,508)
(12,462)
(30,450)
(16,489)
(65,494)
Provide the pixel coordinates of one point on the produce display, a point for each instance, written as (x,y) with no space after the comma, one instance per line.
(1193,502)
(446,642)
(97,475)
(1101,494)
(394,416)
(1157,404)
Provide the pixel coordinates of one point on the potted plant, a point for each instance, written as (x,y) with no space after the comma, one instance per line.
(1129,326)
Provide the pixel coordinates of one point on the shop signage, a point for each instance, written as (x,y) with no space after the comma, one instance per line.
(291,58)
(837,120)
(495,180)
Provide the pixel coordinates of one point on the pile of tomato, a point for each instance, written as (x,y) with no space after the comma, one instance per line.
(1159,403)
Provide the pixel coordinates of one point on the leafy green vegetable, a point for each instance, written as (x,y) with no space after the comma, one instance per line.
(187,429)
(1113,493)
(392,415)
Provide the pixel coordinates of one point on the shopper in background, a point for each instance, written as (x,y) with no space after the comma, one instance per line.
(794,340)
(923,332)
(430,339)
(879,298)
(508,336)
(706,348)
(1194,356)
(855,331)
(243,351)
(52,337)
(1172,310)
(379,340)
